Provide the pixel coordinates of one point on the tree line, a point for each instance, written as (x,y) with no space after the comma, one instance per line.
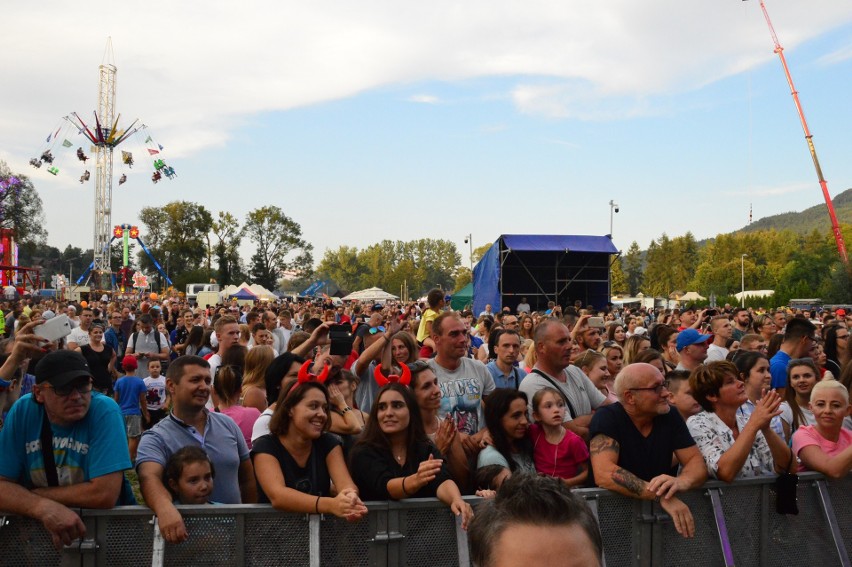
(793,265)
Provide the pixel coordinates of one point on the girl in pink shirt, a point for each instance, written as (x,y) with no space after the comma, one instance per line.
(826,446)
(557,451)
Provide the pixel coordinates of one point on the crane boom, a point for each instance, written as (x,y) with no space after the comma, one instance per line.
(835,226)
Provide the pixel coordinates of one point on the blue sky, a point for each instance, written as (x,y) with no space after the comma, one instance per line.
(403,122)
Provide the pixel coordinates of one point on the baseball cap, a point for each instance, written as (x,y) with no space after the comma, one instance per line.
(690,337)
(61,367)
(686,308)
(129,362)
(48,315)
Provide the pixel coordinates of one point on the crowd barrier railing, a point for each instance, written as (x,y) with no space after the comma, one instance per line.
(736,524)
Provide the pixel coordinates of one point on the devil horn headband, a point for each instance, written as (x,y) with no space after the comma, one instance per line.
(381,380)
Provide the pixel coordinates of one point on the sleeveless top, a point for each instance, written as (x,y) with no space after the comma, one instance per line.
(99,366)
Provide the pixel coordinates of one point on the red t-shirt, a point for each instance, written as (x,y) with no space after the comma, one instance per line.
(562,460)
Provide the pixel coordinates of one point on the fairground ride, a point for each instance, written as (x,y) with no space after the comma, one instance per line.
(102,136)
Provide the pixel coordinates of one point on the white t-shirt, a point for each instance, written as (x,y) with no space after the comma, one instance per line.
(156,392)
(462,391)
(715,352)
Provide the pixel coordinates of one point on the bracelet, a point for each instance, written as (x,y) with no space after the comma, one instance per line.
(346,409)
(403,487)
(317,504)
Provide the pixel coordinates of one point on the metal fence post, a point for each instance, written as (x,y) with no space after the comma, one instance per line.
(721,527)
(828,511)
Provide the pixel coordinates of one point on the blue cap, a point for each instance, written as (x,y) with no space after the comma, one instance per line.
(690,337)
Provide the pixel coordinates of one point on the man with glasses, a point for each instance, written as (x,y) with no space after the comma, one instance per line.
(633,442)
(753,342)
(62,446)
(798,337)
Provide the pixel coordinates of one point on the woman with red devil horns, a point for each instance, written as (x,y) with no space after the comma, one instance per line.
(394,459)
(344,420)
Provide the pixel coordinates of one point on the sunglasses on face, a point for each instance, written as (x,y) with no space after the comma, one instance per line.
(68,389)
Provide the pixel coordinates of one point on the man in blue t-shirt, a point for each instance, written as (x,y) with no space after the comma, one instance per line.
(89,449)
(798,338)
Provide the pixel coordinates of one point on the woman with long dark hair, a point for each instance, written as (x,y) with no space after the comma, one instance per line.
(507,420)
(394,459)
(836,348)
(297,462)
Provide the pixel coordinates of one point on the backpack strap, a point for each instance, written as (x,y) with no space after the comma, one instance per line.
(47,452)
(568,403)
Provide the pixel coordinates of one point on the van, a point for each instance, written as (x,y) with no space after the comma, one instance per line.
(205,298)
(193,289)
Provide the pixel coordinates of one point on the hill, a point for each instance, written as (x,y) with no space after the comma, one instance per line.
(805,222)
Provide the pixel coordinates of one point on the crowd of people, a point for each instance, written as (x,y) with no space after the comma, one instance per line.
(317,408)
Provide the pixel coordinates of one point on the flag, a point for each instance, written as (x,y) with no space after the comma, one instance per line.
(57,133)
(148,139)
(160,146)
(49,136)
(152,152)
(66,144)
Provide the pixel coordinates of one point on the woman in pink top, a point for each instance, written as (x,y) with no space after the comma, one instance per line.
(826,446)
(228,384)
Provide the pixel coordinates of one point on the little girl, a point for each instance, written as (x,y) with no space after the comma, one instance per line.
(189,476)
(557,451)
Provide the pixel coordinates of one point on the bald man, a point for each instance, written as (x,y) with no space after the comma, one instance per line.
(632,443)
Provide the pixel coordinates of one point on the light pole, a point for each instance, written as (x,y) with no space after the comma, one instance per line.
(613,208)
(469,240)
(742,279)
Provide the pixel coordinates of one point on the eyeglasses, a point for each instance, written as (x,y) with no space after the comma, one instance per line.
(379,329)
(68,389)
(658,389)
(840,337)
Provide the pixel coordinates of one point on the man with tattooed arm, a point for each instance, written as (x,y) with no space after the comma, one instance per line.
(632,443)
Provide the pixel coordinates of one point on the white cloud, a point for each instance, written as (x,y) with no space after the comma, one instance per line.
(194,74)
(424,99)
(835,57)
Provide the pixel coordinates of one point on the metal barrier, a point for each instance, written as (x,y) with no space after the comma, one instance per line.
(735,525)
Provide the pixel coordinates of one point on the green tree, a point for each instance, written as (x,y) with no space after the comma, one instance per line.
(618,279)
(228,235)
(279,245)
(21,207)
(178,231)
(342,267)
(632,264)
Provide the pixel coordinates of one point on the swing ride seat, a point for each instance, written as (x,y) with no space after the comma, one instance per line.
(52,170)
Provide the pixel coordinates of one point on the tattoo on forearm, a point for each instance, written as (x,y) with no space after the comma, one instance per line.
(629,481)
(602,443)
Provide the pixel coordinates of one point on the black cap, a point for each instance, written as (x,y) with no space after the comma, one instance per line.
(62,367)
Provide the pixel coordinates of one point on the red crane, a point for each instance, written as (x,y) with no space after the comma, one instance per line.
(835,227)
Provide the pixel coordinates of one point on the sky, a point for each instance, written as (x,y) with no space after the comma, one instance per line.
(384,120)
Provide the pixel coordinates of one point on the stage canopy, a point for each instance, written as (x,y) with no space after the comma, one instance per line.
(543,268)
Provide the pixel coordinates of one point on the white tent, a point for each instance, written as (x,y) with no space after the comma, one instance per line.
(758,293)
(257,289)
(691,296)
(370,294)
